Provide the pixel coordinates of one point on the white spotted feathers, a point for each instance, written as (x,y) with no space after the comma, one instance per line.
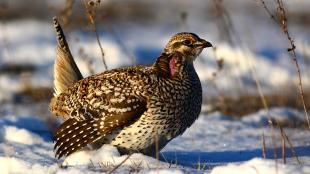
(128,107)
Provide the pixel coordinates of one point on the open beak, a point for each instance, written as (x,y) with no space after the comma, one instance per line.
(203,43)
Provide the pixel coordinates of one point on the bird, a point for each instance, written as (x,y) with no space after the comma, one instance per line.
(137,109)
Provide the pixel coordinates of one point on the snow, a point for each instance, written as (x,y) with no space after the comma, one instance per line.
(282,115)
(258,165)
(165,171)
(223,145)
(21,136)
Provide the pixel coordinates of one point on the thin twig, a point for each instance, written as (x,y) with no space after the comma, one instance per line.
(91,11)
(226,26)
(283,22)
(283,145)
(263,146)
(233,36)
(270,122)
(292,148)
(119,165)
(268,11)
(121,43)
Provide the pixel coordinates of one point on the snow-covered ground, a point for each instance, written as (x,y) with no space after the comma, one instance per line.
(214,144)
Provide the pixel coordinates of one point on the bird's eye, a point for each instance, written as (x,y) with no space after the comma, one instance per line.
(187,42)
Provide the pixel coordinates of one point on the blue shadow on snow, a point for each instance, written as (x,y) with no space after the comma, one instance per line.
(212,159)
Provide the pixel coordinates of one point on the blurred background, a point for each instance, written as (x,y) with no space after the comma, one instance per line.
(250,48)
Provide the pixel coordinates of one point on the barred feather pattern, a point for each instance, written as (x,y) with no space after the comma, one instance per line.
(66,71)
(131,108)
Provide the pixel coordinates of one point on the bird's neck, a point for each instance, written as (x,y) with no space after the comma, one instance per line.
(173,65)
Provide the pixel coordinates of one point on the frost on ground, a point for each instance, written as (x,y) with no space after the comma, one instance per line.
(224,145)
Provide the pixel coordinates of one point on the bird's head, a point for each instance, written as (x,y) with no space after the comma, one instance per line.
(187,44)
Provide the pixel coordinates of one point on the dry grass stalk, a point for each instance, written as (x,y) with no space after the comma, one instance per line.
(225,19)
(156,146)
(283,23)
(227,32)
(263,146)
(292,148)
(220,65)
(135,167)
(5,41)
(270,122)
(91,7)
(106,166)
(283,145)
(121,43)
(268,11)
(119,165)
(248,103)
(224,22)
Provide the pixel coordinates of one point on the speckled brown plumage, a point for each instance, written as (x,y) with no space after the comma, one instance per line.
(133,108)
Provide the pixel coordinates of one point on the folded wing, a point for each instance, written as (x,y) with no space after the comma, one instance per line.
(94,107)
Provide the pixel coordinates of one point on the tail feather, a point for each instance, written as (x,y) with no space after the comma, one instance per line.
(74,135)
(66,71)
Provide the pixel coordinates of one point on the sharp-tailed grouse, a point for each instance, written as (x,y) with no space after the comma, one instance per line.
(136,109)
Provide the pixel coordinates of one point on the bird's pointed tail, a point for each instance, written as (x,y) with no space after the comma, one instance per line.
(66,71)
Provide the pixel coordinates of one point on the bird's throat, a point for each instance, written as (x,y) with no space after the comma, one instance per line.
(172,66)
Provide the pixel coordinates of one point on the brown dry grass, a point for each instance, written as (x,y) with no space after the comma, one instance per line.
(246,104)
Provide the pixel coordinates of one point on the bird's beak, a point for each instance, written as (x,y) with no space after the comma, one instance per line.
(203,43)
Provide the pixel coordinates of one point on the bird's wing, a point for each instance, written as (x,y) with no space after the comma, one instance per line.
(96,106)
(66,71)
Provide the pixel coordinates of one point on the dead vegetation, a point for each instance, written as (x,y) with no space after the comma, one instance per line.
(15,69)
(246,104)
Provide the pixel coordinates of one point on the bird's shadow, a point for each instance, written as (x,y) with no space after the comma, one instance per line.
(211,159)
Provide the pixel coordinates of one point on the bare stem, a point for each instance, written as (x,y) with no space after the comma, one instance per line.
(283,23)
(283,146)
(292,148)
(91,11)
(219,8)
(119,165)
(283,19)
(121,43)
(270,122)
(263,146)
